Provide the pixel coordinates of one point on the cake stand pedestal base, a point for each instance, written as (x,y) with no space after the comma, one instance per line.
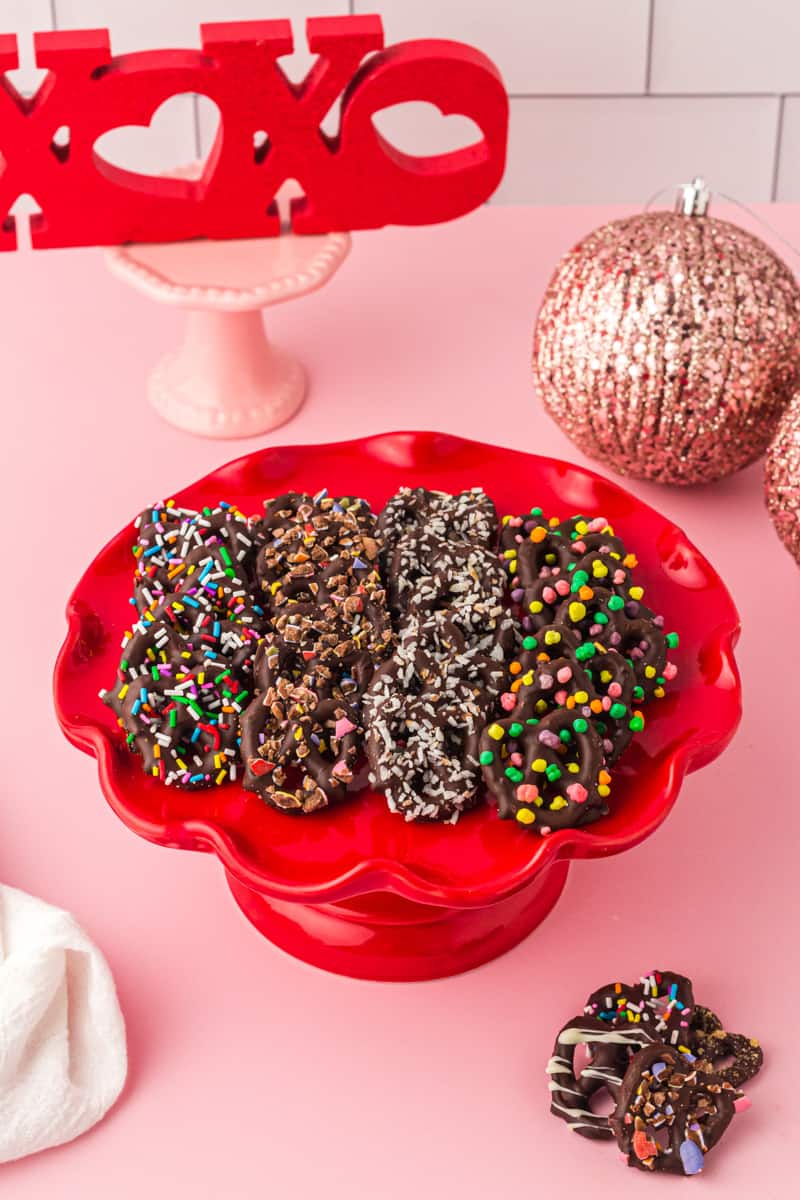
(386,937)
(226,380)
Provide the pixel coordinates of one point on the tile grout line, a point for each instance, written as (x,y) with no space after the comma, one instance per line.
(53,15)
(198,149)
(776,162)
(648,65)
(649,95)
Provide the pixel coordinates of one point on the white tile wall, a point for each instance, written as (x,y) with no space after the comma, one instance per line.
(726,46)
(610,99)
(24,18)
(788,180)
(608,150)
(539,45)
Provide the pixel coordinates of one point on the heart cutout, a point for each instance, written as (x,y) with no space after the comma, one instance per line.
(165,145)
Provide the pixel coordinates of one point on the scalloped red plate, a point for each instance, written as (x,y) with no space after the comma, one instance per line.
(351,887)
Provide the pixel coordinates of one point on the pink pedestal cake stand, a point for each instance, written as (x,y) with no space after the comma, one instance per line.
(226,379)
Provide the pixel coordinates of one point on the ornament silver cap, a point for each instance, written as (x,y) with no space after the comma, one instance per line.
(693,198)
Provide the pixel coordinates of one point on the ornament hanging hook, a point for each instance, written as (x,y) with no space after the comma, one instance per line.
(692,199)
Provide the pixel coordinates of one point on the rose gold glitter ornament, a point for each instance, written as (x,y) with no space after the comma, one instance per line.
(667,344)
(782,478)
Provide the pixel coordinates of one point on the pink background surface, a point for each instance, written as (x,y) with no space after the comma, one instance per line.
(250,1073)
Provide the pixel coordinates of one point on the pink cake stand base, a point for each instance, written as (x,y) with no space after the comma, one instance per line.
(226,379)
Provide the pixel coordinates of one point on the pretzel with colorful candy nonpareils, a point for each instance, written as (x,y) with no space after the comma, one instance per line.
(545,772)
(599,616)
(533,547)
(599,687)
(536,600)
(536,603)
(609,677)
(557,683)
(583,534)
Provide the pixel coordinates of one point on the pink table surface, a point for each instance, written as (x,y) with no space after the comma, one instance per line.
(250,1074)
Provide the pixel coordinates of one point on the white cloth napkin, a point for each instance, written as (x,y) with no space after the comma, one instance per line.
(63,1059)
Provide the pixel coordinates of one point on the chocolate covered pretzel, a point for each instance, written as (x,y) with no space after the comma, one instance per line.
(534,547)
(318,570)
(609,1051)
(183,724)
(559,683)
(299,747)
(302,535)
(424,724)
(545,772)
(713,1042)
(573,591)
(424,711)
(465,583)
(616,1021)
(619,1019)
(349,625)
(467,516)
(190,633)
(671,1111)
(603,617)
(174,541)
(607,680)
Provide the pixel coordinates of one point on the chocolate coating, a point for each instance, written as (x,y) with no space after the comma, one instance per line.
(424,711)
(173,543)
(468,516)
(617,1020)
(544,772)
(318,569)
(610,1048)
(713,1042)
(671,1111)
(300,748)
(605,619)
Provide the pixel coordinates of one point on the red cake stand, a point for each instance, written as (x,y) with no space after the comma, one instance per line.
(354,888)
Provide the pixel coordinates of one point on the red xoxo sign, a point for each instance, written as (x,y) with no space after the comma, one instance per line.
(355,180)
